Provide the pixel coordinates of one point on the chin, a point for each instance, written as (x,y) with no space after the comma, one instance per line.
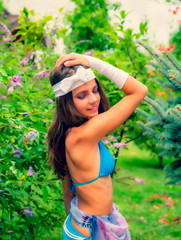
(93,115)
(90,115)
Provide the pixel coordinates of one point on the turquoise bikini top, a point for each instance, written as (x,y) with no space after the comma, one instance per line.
(107,164)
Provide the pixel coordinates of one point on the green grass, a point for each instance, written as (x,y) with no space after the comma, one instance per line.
(143,205)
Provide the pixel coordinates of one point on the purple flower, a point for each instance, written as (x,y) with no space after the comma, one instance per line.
(10,89)
(112,137)
(49,100)
(137,180)
(30,171)
(119,145)
(6,40)
(28,212)
(33,134)
(15,81)
(88,53)
(17,152)
(3,97)
(16,78)
(48,42)
(10,231)
(106,142)
(24,61)
(167,204)
(18,84)
(42,74)
(5,29)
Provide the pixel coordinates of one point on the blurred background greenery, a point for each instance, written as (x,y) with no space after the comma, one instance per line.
(31,195)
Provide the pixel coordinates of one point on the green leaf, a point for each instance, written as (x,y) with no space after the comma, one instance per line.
(45,193)
(34,119)
(61,9)
(123,14)
(25,11)
(3,72)
(137,35)
(143,28)
(32,12)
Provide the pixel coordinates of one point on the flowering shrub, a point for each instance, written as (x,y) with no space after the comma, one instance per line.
(161,48)
(174,11)
(30,195)
(15,82)
(36,32)
(4,28)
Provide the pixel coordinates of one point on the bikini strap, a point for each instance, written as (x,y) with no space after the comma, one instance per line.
(84,183)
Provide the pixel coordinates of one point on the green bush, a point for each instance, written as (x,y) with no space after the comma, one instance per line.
(30,196)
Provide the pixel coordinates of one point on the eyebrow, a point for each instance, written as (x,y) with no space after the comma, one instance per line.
(84,91)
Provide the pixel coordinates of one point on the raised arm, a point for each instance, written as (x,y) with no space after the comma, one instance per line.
(97,127)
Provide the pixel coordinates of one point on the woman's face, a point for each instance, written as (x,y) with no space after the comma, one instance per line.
(87,98)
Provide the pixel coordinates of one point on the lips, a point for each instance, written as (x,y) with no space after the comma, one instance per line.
(94,108)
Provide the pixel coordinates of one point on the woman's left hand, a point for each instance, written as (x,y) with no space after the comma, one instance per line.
(72,59)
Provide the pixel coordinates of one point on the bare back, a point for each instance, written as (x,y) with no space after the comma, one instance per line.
(83,162)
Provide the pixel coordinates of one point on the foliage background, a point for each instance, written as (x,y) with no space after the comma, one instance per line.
(31,196)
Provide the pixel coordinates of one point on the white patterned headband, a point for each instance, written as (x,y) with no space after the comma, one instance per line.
(68,84)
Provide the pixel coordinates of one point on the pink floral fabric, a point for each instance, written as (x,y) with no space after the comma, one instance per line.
(107,227)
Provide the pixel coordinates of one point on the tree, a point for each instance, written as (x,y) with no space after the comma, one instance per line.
(90,26)
(176,41)
(164,123)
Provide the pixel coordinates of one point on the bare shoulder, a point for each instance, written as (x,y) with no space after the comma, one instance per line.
(75,137)
(70,138)
(102,124)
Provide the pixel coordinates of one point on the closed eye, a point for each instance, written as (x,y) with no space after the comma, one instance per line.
(81,96)
(95,89)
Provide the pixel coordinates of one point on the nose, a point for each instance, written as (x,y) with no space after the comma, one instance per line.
(92,98)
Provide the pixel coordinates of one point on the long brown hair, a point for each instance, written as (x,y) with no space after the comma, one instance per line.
(66,117)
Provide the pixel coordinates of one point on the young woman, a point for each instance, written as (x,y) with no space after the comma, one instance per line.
(78,156)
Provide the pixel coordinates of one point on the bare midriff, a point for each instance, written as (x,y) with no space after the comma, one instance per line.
(95,199)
